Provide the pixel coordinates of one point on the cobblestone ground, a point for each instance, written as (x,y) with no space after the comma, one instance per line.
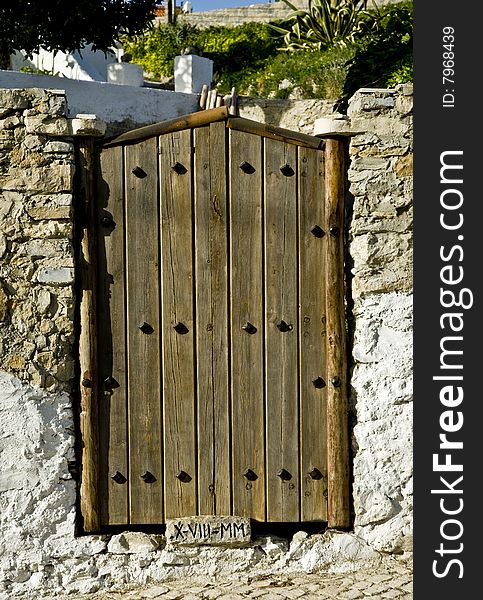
(390,582)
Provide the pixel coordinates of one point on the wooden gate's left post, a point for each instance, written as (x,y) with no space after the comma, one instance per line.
(89,410)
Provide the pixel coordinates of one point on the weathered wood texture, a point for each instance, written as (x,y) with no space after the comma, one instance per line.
(219,283)
(112,328)
(281,318)
(337,426)
(211,248)
(312,335)
(179,331)
(89,406)
(143,332)
(247,372)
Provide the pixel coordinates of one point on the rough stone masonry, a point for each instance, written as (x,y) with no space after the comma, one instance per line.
(39,549)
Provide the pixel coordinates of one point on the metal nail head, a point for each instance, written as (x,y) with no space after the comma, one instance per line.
(181,328)
(283,326)
(317,231)
(287,170)
(118,478)
(319,383)
(146,328)
(148,477)
(250,475)
(183,477)
(249,328)
(139,173)
(284,475)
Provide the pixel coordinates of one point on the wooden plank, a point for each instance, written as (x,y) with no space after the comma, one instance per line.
(178,348)
(89,412)
(142,259)
(212,321)
(247,307)
(312,361)
(197,119)
(274,133)
(337,402)
(281,353)
(112,339)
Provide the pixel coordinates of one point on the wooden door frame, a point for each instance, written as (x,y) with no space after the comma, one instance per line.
(337,381)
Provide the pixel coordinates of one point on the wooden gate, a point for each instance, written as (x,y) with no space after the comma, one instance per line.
(212,346)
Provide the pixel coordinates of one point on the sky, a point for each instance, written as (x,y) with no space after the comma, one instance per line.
(200,5)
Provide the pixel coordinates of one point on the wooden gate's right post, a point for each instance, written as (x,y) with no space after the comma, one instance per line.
(337,403)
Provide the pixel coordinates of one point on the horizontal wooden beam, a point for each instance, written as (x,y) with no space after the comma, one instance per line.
(274,133)
(197,119)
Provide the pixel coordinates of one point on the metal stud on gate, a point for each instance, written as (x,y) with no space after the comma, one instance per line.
(249,328)
(146,328)
(317,231)
(118,478)
(106,221)
(318,383)
(315,474)
(334,231)
(110,382)
(246,167)
(336,382)
(283,327)
(179,168)
(287,170)
(87,383)
(148,477)
(183,477)
(181,328)
(284,475)
(139,173)
(250,475)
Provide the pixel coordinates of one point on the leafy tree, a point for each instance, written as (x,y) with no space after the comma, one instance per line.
(69,25)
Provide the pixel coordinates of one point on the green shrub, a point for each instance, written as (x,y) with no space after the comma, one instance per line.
(249,56)
(156,49)
(385,57)
(311,74)
(326,23)
(238,53)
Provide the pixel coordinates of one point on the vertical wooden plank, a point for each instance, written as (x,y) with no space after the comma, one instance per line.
(313,379)
(89,408)
(212,320)
(281,379)
(337,407)
(178,345)
(112,341)
(142,259)
(247,308)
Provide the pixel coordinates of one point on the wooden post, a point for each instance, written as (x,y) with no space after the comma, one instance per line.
(89,410)
(337,405)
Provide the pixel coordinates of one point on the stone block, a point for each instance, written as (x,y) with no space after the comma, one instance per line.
(87,125)
(47,125)
(56,275)
(59,147)
(208,530)
(134,543)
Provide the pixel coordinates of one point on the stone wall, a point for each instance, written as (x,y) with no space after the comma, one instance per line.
(40,552)
(380,249)
(253,13)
